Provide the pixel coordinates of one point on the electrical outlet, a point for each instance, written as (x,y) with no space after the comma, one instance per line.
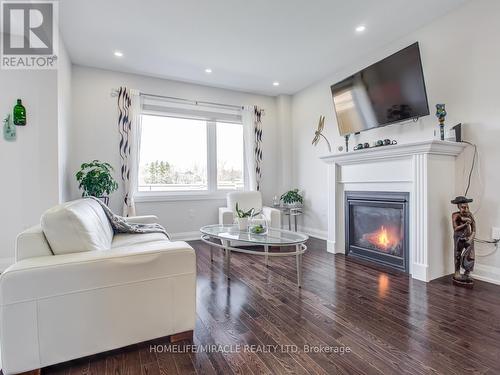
(495,233)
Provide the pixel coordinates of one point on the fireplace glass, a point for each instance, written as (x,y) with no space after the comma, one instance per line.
(377,227)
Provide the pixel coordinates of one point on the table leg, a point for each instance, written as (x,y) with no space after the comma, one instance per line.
(228,260)
(266,249)
(299,267)
(211,253)
(295,222)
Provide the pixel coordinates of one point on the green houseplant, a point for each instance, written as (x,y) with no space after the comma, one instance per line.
(242,216)
(292,198)
(96,180)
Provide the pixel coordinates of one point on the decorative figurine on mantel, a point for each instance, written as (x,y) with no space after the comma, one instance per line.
(319,133)
(464,228)
(441,114)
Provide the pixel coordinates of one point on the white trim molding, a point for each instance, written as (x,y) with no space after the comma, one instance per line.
(426,170)
(434,147)
(312,232)
(175,197)
(486,273)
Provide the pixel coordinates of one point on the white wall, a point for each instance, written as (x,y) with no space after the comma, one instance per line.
(284,109)
(64,120)
(28,166)
(33,168)
(94,135)
(461,61)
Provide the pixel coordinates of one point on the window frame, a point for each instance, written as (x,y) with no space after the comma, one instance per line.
(212,191)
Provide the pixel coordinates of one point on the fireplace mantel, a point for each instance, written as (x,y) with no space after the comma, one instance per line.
(426,170)
(434,147)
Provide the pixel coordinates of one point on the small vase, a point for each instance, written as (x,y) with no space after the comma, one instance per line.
(242,223)
(276,201)
(258,225)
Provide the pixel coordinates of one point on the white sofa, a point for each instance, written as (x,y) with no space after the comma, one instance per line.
(100,292)
(247,200)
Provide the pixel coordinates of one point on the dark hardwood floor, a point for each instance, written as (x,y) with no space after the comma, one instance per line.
(385,322)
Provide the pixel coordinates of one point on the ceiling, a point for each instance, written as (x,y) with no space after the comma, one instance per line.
(248,44)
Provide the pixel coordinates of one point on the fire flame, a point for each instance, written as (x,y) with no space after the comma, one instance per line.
(382,238)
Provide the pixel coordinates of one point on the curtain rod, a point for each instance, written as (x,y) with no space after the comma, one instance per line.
(114,92)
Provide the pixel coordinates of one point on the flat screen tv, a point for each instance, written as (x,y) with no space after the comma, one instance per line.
(389,91)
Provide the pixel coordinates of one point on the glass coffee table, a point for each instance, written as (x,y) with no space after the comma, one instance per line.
(221,236)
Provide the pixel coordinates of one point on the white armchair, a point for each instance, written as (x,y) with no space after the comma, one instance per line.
(78,289)
(247,200)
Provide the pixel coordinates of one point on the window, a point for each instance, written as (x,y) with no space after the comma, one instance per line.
(173,154)
(230,156)
(180,155)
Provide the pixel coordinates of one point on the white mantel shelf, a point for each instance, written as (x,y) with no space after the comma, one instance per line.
(435,147)
(425,170)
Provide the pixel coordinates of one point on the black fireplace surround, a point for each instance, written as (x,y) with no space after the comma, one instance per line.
(377,227)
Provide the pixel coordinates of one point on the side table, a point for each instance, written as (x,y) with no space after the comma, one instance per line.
(291,212)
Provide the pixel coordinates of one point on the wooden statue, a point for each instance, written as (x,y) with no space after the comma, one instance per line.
(464,227)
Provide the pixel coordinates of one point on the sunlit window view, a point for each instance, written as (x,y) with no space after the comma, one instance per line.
(173,154)
(230,156)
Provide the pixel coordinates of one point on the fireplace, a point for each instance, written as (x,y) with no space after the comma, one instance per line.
(376,225)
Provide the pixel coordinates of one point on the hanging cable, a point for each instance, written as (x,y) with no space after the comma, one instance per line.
(472,166)
(469,179)
(486,241)
(494,242)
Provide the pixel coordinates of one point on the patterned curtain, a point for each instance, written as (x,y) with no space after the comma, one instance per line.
(258,145)
(251,117)
(125,127)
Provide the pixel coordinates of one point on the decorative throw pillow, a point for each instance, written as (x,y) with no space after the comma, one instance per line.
(77,226)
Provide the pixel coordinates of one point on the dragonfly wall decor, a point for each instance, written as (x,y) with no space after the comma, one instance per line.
(318,134)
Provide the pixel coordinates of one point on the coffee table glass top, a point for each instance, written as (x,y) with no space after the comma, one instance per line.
(272,237)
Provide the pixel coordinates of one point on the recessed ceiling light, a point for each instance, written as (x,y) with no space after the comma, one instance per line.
(360,28)
(276,83)
(208,70)
(118,54)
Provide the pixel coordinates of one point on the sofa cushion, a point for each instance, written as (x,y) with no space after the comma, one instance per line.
(127,239)
(77,226)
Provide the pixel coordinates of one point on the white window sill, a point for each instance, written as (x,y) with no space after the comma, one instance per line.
(172,197)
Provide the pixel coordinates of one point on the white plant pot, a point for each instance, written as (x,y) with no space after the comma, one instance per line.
(242,223)
(293,205)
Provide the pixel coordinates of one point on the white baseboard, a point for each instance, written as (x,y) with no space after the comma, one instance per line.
(185,236)
(321,234)
(420,272)
(486,273)
(5,263)
(331,247)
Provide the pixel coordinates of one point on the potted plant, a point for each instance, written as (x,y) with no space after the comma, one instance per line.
(96,180)
(292,198)
(242,216)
